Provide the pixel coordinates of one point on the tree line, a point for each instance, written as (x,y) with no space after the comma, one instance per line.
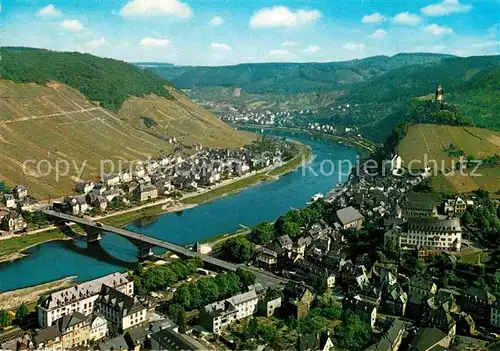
(110,82)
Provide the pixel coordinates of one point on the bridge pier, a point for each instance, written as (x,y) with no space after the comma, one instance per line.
(144,251)
(93,234)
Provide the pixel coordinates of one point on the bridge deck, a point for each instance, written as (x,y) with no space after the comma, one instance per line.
(262,275)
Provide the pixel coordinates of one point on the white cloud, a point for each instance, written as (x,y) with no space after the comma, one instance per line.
(373,18)
(282,16)
(95,44)
(154,42)
(72,25)
(438,30)
(288,43)
(220,46)
(216,21)
(378,34)
(406,18)
(49,11)
(146,8)
(354,46)
(282,55)
(445,7)
(311,49)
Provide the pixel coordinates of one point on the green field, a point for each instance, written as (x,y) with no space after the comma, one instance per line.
(435,141)
(44,125)
(14,245)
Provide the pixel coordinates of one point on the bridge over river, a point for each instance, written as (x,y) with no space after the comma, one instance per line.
(145,243)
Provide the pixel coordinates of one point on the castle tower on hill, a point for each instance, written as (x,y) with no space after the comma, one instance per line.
(439,94)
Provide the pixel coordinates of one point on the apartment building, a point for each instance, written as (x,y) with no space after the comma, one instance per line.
(69,332)
(122,310)
(80,298)
(216,316)
(428,233)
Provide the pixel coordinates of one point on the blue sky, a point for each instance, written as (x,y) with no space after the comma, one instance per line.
(216,32)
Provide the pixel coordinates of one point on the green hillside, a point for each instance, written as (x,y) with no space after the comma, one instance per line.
(54,122)
(290,78)
(442,146)
(110,82)
(383,101)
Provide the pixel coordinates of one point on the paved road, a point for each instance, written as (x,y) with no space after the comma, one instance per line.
(266,278)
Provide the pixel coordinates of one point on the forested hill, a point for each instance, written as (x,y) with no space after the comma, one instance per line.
(471,85)
(110,82)
(290,78)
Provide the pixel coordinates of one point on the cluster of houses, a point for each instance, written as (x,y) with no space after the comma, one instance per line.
(168,177)
(15,203)
(413,221)
(101,314)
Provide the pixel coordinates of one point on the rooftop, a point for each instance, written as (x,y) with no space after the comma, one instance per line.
(348,215)
(83,290)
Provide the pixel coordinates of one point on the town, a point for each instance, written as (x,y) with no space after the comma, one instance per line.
(368,267)
(167,178)
(250,175)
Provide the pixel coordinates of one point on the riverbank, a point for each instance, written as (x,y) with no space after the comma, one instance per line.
(12,248)
(365,149)
(304,155)
(13,299)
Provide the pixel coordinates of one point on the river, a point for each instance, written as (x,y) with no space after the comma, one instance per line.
(262,202)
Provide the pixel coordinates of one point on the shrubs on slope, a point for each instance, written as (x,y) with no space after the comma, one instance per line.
(110,82)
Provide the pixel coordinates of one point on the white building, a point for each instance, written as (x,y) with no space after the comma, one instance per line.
(122,310)
(429,233)
(79,298)
(98,327)
(219,314)
(112,179)
(10,201)
(84,187)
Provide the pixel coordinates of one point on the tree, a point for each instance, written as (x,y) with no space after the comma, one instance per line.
(321,285)
(4,318)
(178,314)
(183,296)
(22,311)
(353,333)
(292,229)
(263,233)
(238,249)
(246,277)
(467,218)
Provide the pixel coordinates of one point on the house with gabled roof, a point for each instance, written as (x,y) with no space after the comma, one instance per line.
(120,309)
(69,332)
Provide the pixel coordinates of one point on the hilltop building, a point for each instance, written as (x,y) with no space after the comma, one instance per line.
(439,96)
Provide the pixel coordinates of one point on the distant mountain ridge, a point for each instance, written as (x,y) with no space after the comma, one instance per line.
(291,78)
(380,88)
